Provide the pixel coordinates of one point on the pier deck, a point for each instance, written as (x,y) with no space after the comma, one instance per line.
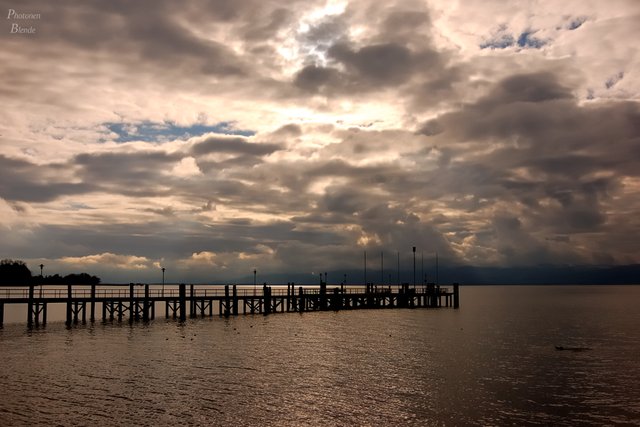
(137,302)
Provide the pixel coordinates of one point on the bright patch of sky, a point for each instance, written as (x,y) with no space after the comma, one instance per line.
(166,131)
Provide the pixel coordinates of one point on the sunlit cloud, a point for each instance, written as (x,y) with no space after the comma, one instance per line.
(108,260)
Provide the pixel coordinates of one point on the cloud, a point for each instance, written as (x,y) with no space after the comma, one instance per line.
(108,260)
(232,145)
(24,181)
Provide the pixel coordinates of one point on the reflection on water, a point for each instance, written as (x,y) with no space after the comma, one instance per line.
(490,363)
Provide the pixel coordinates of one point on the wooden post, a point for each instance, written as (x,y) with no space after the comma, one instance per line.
(44,314)
(266,293)
(301,301)
(183,302)
(294,301)
(104,311)
(227,301)
(323,296)
(1,314)
(456,295)
(235,301)
(30,308)
(336,302)
(69,307)
(93,304)
(145,307)
(192,302)
(131,303)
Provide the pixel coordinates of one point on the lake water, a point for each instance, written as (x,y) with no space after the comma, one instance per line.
(492,362)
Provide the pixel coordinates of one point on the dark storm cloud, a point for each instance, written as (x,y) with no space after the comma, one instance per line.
(399,50)
(233,146)
(24,181)
(371,67)
(172,239)
(315,78)
(136,173)
(163,36)
(383,63)
(562,162)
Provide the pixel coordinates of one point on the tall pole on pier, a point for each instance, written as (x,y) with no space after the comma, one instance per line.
(41,279)
(414,266)
(254,282)
(422,266)
(365,267)
(437,268)
(163,282)
(398,267)
(382,268)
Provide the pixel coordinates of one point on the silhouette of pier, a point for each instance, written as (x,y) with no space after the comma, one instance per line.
(137,302)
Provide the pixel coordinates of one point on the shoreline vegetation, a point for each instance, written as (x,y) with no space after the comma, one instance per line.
(16,273)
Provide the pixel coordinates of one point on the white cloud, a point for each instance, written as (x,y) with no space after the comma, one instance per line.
(108,260)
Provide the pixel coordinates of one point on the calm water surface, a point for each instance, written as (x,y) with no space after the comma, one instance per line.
(493,362)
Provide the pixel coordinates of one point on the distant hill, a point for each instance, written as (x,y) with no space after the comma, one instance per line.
(547,274)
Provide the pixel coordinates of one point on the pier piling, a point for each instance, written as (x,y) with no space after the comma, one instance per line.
(69,305)
(235,300)
(192,302)
(30,308)
(227,301)
(183,302)
(93,304)
(456,295)
(145,307)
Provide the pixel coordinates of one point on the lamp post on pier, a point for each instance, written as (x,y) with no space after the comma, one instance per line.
(414,266)
(254,281)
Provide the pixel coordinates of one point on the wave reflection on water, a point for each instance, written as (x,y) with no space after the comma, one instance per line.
(492,362)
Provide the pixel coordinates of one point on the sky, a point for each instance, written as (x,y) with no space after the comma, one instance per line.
(216,137)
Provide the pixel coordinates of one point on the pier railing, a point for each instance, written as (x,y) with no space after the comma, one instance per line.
(172,291)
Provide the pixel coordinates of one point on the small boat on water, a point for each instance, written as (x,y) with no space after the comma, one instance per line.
(576,349)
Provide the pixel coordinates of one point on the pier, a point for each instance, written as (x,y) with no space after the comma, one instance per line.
(137,302)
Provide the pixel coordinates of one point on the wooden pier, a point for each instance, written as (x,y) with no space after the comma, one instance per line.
(137,302)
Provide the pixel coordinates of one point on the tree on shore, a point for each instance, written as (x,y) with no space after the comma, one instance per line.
(81,279)
(14,272)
